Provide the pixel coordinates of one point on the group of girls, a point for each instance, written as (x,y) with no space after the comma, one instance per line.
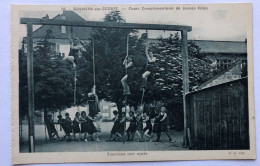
(83,125)
(136,126)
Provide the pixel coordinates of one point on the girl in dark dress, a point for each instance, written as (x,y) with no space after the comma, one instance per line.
(156,126)
(132,127)
(51,128)
(149,67)
(148,126)
(91,129)
(83,121)
(93,103)
(120,133)
(69,122)
(76,123)
(163,124)
(75,51)
(115,126)
(128,78)
(65,127)
(139,128)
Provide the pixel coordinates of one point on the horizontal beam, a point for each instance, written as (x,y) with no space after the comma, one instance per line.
(96,24)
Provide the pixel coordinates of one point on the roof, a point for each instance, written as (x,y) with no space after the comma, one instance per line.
(81,32)
(219,74)
(211,46)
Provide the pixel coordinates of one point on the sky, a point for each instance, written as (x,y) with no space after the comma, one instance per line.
(215,23)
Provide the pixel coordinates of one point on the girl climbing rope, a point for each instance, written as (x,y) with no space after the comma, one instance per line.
(128,78)
(75,51)
(149,67)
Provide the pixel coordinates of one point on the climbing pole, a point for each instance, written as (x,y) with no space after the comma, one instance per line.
(143,89)
(75,87)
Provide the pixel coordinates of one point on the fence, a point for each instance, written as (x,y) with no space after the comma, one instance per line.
(217,117)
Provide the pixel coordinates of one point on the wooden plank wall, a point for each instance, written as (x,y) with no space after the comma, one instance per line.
(217,117)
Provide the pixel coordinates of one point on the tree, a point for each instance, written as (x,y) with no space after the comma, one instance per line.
(166,83)
(110,51)
(53,79)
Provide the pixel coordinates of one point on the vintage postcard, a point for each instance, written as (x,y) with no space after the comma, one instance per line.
(117,83)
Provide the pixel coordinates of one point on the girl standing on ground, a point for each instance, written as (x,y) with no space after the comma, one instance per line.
(139,128)
(51,128)
(148,126)
(132,127)
(163,124)
(91,129)
(65,127)
(68,122)
(121,127)
(76,128)
(83,121)
(115,126)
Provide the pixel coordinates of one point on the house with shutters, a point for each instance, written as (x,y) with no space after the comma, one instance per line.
(59,34)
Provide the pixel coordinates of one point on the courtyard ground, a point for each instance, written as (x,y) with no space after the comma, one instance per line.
(42,143)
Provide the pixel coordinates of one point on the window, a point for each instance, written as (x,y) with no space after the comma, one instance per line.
(63,28)
(223,63)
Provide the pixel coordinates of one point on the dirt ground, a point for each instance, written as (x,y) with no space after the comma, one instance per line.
(42,143)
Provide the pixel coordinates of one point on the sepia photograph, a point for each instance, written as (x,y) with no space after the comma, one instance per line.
(131,83)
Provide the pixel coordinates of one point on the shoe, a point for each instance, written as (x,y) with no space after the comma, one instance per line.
(98,140)
(151,140)
(157,140)
(172,141)
(85,140)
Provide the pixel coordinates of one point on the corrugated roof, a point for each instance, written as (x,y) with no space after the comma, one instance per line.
(80,32)
(210,46)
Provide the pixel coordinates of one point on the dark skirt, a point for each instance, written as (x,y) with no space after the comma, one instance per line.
(150,67)
(74,53)
(130,76)
(84,127)
(156,128)
(114,128)
(163,126)
(139,126)
(93,109)
(131,128)
(149,128)
(121,127)
(76,128)
(67,128)
(90,127)
(51,128)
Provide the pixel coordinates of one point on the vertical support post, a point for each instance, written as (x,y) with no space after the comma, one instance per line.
(185,75)
(30,87)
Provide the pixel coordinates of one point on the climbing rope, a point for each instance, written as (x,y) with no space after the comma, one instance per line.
(93,48)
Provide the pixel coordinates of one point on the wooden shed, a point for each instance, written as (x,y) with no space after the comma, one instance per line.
(217,117)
